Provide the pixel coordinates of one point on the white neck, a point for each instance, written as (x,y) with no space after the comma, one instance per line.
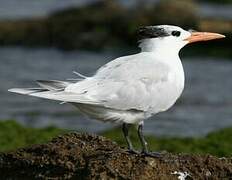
(162,47)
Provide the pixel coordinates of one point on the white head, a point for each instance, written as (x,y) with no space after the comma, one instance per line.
(168,39)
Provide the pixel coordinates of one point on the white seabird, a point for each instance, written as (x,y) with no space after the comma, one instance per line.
(131,88)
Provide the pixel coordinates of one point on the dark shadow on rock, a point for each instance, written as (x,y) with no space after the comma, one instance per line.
(83,156)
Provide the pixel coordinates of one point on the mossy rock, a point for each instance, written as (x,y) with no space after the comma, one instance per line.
(86,156)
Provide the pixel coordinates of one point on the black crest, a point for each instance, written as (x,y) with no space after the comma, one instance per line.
(151,32)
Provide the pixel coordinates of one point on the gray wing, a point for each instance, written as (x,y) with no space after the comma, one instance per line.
(128,83)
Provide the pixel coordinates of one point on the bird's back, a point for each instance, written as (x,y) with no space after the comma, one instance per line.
(140,82)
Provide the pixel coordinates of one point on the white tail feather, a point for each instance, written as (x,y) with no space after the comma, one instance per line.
(53,85)
(55,95)
(26,91)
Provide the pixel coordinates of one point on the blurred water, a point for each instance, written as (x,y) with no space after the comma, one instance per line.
(219,11)
(15,9)
(205,105)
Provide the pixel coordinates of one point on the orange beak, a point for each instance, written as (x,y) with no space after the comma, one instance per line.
(203,36)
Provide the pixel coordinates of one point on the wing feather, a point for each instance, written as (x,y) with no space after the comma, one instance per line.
(125,83)
(53,85)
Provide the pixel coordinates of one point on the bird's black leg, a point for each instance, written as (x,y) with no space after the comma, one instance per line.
(125,130)
(144,143)
(142,139)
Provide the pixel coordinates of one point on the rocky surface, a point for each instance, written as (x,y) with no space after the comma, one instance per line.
(83,156)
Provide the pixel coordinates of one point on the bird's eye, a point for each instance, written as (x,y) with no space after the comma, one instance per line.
(176,33)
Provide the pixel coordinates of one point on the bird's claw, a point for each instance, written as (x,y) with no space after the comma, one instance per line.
(132,151)
(152,154)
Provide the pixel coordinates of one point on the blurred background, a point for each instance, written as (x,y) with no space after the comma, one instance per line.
(50,39)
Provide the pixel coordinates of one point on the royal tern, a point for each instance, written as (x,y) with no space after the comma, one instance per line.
(132,88)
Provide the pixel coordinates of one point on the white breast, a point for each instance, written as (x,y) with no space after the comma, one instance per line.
(165,94)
